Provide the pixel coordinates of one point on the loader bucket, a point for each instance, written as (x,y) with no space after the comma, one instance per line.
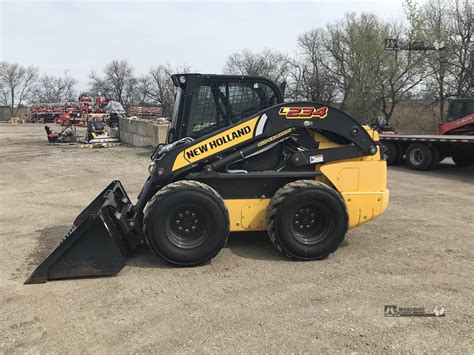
(94,245)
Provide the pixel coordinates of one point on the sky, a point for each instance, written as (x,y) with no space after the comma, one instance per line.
(80,36)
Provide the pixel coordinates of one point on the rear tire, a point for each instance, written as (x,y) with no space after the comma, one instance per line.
(419,156)
(186,223)
(463,160)
(307,220)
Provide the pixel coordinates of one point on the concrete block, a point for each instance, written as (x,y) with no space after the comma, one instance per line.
(123,124)
(149,129)
(137,140)
(142,127)
(148,141)
(125,137)
(160,133)
(132,126)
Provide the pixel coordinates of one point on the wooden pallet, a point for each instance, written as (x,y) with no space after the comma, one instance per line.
(101,145)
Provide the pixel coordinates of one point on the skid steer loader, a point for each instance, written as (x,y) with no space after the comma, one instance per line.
(238,158)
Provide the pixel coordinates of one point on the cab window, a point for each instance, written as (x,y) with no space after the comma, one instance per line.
(459,109)
(218,105)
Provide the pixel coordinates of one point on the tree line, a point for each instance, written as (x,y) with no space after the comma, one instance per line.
(343,63)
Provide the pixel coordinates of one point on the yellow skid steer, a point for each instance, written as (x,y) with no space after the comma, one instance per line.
(238,158)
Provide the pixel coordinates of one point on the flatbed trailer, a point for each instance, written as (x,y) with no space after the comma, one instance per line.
(424,152)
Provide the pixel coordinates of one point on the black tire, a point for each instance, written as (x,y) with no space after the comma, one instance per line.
(311,202)
(419,156)
(400,154)
(186,223)
(392,153)
(462,159)
(436,157)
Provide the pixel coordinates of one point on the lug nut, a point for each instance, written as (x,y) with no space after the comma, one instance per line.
(180,228)
(187,230)
(177,221)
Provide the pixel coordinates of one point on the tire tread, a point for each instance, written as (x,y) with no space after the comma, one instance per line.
(278,198)
(176,186)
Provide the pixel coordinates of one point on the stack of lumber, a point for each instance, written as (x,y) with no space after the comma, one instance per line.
(148,112)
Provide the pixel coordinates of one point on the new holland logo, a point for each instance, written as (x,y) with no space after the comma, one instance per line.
(216,144)
(229,137)
(303,112)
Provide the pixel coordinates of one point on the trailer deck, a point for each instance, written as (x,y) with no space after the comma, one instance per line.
(427,138)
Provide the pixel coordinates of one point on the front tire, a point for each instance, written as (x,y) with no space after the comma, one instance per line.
(186,223)
(307,220)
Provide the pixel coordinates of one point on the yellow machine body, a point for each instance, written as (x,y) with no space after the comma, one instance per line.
(362,182)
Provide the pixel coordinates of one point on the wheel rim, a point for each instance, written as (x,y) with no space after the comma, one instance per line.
(311,223)
(416,156)
(187,226)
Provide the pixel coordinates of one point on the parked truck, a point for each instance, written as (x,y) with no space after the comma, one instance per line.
(453,138)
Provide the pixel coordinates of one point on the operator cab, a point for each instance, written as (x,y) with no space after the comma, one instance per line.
(206,103)
(459,108)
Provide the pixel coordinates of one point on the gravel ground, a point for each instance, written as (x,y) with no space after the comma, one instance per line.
(249,298)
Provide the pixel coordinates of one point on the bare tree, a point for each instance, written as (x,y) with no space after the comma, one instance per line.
(16,83)
(308,79)
(3,95)
(450,70)
(50,89)
(436,19)
(118,82)
(355,46)
(267,63)
(158,86)
(462,33)
(401,72)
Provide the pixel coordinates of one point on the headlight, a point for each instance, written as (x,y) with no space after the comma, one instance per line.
(182,79)
(151,167)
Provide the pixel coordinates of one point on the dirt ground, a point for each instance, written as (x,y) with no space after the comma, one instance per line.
(249,298)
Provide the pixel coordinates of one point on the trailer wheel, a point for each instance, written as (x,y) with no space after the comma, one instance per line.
(186,223)
(307,220)
(400,154)
(392,153)
(463,160)
(436,157)
(419,156)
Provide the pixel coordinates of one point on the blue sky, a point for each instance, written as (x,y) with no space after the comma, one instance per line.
(80,36)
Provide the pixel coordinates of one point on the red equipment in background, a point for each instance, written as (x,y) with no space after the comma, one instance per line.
(64,113)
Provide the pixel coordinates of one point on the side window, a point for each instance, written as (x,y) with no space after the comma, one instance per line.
(215,105)
(203,115)
(456,110)
(469,109)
